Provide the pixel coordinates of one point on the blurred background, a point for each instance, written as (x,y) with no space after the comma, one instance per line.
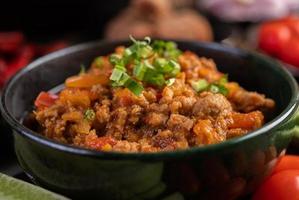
(30,29)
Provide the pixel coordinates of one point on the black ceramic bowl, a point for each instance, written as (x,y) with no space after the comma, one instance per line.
(224,171)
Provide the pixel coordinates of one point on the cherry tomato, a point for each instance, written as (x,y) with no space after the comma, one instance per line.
(45,99)
(283,185)
(292,22)
(290,52)
(287,163)
(273,37)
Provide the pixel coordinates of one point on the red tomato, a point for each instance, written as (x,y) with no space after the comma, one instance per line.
(292,22)
(283,185)
(45,99)
(290,52)
(273,36)
(287,163)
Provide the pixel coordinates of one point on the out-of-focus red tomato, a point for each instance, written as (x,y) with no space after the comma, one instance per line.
(10,41)
(283,185)
(273,37)
(44,99)
(292,22)
(286,163)
(290,52)
(280,38)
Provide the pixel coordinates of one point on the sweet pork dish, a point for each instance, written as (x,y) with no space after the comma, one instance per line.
(149,97)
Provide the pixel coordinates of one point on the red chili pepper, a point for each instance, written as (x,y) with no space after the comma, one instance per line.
(44,99)
(10,41)
(24,56)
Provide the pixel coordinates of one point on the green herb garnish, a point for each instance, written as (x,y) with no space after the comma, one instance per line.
(216,87)
(200,85)
(89,115)
(82,69)
(134,86)
(223,80)
(98,62)
(116,74)
(170,81)
(152,64)
(166,49)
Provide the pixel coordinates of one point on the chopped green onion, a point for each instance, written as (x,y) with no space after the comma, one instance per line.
(139,71)
(223,80)
(170,45)
(164,65)
(170,81)
(124,78)
(160,62)
(115,59)
(145,51)
(120,67)
(147,39)
(128,52)
(176,68)
(132,39)
(166,49)
(134,87)
(82,69)
(116,74)
(89,115)
(155,79)
(216,88)
(98,62)
(223,90)
(200,85)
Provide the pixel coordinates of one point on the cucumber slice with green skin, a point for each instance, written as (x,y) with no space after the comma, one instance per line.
(14,189)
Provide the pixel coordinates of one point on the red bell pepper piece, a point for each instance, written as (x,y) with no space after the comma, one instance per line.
(45,99)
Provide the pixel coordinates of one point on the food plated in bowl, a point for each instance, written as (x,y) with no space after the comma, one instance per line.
(223,170)
(149,97)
